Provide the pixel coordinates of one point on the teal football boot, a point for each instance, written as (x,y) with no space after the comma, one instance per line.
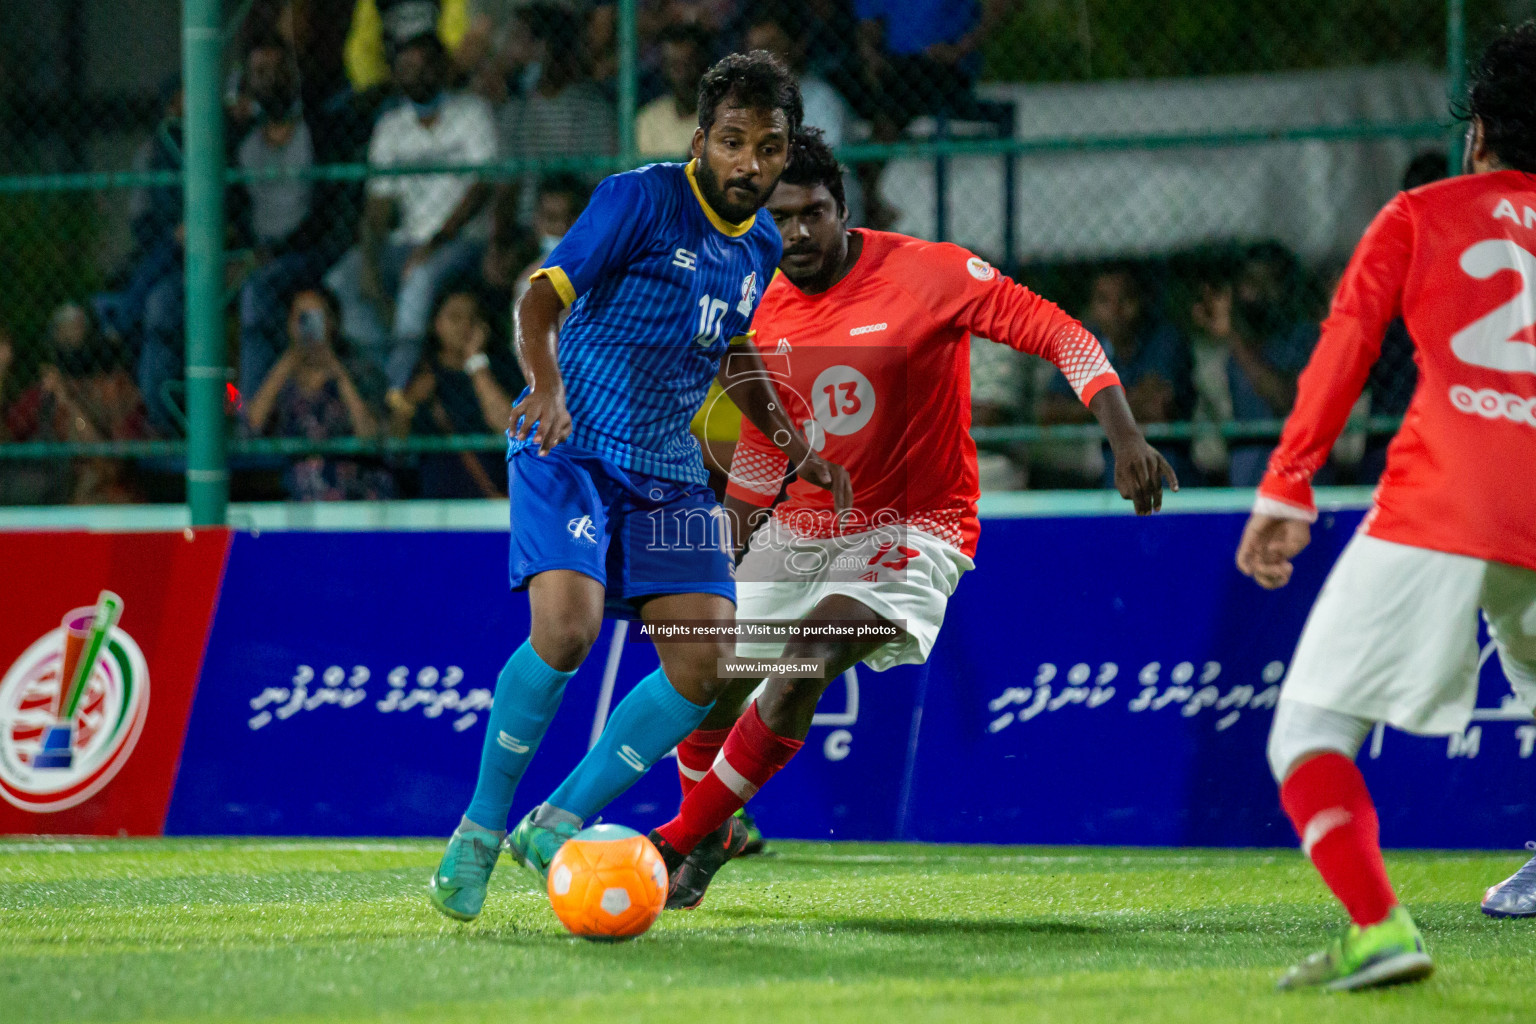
(534,845)
(458,885)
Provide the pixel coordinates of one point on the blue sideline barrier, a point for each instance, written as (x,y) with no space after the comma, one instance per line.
(1099,679)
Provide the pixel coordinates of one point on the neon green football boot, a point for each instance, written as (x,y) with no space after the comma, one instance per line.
(1383,954)
(458,885)
(534,845)
(756,844)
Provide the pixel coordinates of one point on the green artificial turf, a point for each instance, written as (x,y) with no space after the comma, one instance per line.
(257,930)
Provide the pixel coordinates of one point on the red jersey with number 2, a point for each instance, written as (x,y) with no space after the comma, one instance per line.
(876,373)
(1457,261)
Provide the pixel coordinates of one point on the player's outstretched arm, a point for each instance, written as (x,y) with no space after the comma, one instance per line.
(751,388)
(964,289)
(1368,297)
(1139,469)
(542,411)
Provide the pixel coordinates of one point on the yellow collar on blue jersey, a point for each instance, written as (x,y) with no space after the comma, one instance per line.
(721,224)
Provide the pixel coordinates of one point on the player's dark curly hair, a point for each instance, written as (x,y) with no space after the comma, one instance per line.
(757,81)
(1503,96)
(811,163)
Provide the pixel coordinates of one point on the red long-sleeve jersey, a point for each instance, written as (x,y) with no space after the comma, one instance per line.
(1455,261)
(876,372)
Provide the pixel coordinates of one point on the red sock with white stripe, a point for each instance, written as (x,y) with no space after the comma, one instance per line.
(753,754)
(1332,810)
(696,755)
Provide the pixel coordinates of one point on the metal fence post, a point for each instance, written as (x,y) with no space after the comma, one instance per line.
(1456,71)
(629,79)
(203,168)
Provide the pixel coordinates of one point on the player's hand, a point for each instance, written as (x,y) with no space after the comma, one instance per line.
(1140,471)
(829,476)
(543,414)
(1268,545)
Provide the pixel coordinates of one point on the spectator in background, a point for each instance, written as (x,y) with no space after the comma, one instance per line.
(564,114)
(1149,355)
(562,197)
(654,17)
(1394,376)
(602,28)
(495,54)
(824,31)
(829,32)
(317,31)
(496,50)
(310,394)
(340,119)
(31,481)
(148,311)
(664,127)
(155,212)
(771,27)
(917,57)
(388,281)
(485,35)
(1263,333)
(462,386)
(264,21)
(290,222)
(380,26)
(1210,306)
(921,56)
(82,393)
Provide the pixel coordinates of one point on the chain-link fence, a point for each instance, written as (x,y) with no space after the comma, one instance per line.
(1187,178)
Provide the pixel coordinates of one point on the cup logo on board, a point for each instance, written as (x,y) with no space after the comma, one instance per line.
(72,707)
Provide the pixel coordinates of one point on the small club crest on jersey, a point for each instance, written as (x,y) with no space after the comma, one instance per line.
(748,294)
(980,269)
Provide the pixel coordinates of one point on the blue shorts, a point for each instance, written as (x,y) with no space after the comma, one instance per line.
(640,536)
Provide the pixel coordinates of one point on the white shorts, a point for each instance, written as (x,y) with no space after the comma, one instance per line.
(784,577)
(1393,636)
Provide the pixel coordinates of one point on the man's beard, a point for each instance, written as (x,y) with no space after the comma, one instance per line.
(718,200)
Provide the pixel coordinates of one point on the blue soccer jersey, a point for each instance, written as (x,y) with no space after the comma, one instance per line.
(658,285)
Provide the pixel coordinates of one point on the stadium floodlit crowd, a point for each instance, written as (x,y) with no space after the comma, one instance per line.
(360,309)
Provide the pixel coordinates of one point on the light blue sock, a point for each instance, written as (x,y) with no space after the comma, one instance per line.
(528,694)
(646,724)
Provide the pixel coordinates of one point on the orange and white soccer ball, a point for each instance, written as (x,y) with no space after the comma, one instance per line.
(607,883)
